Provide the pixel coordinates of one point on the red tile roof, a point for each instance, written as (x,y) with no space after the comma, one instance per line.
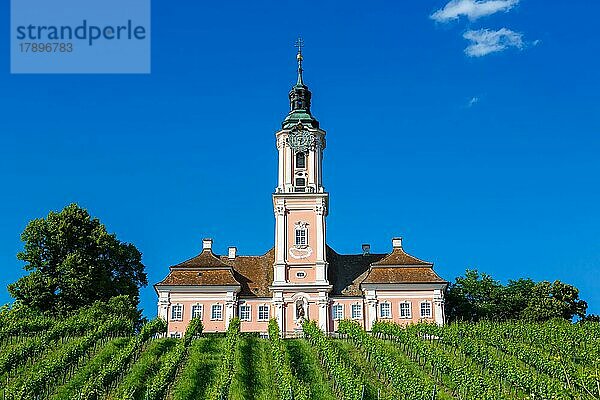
(200,277)
(204,270)
(399,257)
(346,271)
(255,273)
(204,259)
(402,275)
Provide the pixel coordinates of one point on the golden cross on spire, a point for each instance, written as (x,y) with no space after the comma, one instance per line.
(299,44)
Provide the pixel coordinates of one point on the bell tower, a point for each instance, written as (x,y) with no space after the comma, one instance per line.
(300,202)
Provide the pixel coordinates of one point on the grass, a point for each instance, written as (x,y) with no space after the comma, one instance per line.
(204,356)
(254,378)
(307,369)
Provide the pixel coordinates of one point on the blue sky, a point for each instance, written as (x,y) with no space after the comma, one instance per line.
(478,159)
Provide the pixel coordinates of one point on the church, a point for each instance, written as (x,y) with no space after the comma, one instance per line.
(301,277)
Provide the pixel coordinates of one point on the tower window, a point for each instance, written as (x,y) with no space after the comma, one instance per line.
(300,182)
(300,160)
(301,237)
(300,274)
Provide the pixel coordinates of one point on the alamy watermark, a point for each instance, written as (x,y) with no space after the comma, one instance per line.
(80,36)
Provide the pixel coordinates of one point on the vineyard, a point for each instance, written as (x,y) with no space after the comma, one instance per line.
(99,353)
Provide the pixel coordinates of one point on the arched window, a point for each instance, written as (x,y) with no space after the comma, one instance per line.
(300,310)
(300,160)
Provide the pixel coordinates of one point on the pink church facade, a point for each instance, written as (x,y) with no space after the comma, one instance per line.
(301,277)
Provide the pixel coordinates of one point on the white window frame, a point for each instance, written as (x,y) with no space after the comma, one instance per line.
(268,311)
(389,308)
(213,307)
(430,309)
(179,313)
(359,307)
(301,274)
(406,315)
(334,312)
(197,307)
(245,308)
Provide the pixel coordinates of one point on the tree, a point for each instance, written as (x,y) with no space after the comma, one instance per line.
(514,298)
(590,318)
(478,296)
(554,300)
(74,261)
(472,297)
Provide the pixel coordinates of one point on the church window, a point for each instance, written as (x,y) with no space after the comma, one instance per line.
(177,312)
(405,311)
(356,311)
(197,311)
(245,312)
(263,312)
(385,310)
(216,312)
(425,309)
(338,311)
(300,160)
(300,182)
(301,237)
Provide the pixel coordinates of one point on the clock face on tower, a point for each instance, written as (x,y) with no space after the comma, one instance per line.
(300,139)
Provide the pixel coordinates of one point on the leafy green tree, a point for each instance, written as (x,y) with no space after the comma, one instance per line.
(554,300)
(513,299)
(590,318)
(473,297)
(73,261)
(478,296)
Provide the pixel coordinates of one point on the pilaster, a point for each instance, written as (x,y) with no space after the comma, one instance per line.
(163,305)
(323,304)
(230,307)
(438,306)
(279,310)
(371,299)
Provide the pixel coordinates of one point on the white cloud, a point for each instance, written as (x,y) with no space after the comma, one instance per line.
(473,101)
(472,9)
(486,41)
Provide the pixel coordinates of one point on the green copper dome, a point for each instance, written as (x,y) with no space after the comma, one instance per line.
(300,97)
